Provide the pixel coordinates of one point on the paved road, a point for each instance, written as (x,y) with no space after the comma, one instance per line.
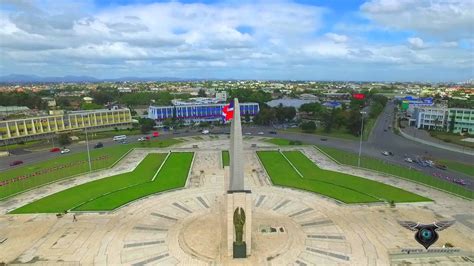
(379,141)
(38,156)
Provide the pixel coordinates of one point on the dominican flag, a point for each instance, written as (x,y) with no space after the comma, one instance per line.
(228,111)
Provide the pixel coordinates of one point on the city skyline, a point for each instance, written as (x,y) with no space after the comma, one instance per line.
(377,40)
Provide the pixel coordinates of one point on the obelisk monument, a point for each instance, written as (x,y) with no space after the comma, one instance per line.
(239,200)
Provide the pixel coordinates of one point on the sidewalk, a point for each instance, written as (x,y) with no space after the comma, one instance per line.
(424,137)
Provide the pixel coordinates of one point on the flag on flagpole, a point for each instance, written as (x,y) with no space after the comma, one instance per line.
(228,111)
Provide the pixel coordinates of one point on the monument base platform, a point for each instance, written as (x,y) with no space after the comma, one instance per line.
(234,200)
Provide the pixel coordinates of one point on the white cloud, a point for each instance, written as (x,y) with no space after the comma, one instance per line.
(449,44)
(416,43)
(336,37)
(223,39)
(445,19)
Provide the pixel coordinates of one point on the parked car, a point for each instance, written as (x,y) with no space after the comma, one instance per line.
(205,132)
(409,160)
(141,139)
(260,133)
(324,139)
(98,145)
(460,182)
(63,151)
(248,133)
(17,162)
(385,153)
(123,142)
(272,132)
(56,149)
(441,166)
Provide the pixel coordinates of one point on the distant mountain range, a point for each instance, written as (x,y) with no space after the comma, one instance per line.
(15,78)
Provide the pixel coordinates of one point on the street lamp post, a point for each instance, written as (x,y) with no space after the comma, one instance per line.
(87,145)
(361,134)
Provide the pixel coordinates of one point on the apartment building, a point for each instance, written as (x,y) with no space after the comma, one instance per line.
(432,118)
(37,127)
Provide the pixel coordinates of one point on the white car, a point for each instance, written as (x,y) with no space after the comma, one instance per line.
(141,139)
(385,153)
(205,131)
(248,133)
(409,160)
(65,151)
(260,133)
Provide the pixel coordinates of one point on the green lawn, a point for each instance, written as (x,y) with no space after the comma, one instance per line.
(451,138)
(343,187)
(225,158)
(112,192)
(349,158)
(172,175)
(335,133)
(28,144)
(340,133)
(72,197)
(282,142)
(68,165)
(369,187)
(109,134)
(459,167)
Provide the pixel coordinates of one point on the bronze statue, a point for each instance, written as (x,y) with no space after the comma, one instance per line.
(239,221)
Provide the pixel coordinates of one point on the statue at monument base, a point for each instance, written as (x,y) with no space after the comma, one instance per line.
(239,246)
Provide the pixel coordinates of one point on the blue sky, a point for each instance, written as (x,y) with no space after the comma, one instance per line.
(379,40)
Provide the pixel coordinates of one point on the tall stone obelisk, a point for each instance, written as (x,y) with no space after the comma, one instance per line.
(239,200)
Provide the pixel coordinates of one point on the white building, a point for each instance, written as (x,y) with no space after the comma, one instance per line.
(441,117)
(221,96)
(430,117)
(124,90)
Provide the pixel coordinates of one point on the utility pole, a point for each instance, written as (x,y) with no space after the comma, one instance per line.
(361,134)
(87,145)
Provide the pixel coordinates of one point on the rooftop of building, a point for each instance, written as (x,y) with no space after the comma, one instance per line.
(197,101)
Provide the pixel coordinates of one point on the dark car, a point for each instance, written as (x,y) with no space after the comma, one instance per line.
(272,132)
(324,139)
(98,145)
(441,166)
(17,162)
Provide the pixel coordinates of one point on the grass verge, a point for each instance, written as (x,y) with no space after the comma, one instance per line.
(349,158)
(225,158)
(283,142)
(72,197)
(451,138)
(172,175)
(63,166)
(459,167)
(342,187)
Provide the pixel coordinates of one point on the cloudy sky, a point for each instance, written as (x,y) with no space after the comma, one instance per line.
(386,40)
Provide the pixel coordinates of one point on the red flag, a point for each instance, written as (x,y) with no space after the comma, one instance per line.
(228,111)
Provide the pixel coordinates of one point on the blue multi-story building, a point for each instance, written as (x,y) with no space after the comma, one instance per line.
(192,113)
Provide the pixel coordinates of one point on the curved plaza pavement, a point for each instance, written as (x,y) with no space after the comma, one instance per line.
(185,226)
